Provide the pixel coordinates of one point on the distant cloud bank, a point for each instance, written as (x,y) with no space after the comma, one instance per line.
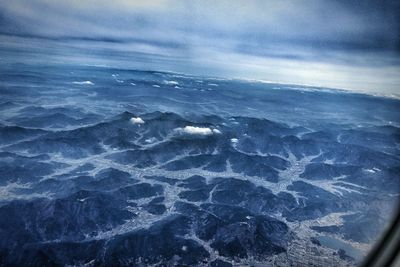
(342,44)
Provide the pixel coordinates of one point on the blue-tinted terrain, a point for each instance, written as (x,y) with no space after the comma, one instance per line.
(114,167)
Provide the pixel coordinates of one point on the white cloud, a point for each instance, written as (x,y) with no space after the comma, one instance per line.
(193,130)
(171,82)
(137,120)
(84,83)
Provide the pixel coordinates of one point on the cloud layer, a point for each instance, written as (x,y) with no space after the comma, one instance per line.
(246,24)
(291,41)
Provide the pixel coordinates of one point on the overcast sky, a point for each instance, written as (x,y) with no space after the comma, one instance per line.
(319,42)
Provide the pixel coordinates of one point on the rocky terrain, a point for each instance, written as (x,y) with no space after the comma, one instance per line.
(108,167)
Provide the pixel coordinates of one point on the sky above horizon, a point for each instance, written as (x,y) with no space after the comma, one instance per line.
(339,44)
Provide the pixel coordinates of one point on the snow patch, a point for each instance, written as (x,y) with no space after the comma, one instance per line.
(115,76)
(150,140)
